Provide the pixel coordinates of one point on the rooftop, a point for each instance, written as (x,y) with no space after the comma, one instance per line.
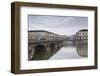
(41,31)
(37,31)
(84,30)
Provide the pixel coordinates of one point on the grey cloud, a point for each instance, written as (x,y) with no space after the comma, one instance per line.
(59,24)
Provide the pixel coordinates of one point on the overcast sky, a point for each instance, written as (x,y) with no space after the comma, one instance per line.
(63,25)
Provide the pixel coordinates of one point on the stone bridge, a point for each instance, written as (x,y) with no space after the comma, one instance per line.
(43,49)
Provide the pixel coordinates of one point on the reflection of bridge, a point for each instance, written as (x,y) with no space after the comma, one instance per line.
(43,49)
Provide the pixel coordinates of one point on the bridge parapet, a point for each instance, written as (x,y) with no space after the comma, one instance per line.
(37,41)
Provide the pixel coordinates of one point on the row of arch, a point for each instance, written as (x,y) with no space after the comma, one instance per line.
(41,53)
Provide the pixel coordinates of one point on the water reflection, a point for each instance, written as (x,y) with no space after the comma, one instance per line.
(82,50)
(71,51)
(67,51)
(40,53)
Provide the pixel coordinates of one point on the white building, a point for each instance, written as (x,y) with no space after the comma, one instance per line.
(36,35)
(81,35)
(44,35)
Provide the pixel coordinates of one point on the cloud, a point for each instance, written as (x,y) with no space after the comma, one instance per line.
(66,25)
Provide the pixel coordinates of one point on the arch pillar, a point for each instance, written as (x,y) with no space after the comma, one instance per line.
(48,49)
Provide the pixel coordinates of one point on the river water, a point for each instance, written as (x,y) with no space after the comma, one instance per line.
(67,51)
(70,51)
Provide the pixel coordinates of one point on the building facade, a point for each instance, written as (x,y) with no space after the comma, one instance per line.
(44,35)
(81,36)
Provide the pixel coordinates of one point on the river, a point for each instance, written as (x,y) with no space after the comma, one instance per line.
(70,51)
(67,51)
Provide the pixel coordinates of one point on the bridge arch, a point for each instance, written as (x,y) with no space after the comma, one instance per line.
(39,52)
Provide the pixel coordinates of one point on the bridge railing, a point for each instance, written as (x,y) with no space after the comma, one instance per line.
(45,40)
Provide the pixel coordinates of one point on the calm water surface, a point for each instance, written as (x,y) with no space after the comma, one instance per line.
(67,51)
(70,51)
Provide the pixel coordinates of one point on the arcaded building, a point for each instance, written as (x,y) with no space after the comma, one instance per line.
(44,35)
(81,36)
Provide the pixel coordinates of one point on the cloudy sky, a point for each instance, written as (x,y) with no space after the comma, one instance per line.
(63,25)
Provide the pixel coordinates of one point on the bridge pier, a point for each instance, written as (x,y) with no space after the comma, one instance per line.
(48,49)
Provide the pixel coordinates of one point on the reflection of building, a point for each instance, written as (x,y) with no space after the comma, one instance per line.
(44,35)
(82,50)
(81,36)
